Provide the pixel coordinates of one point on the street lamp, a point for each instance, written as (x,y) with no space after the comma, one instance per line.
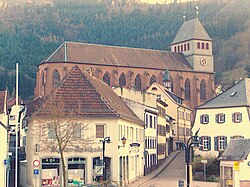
(193,141)
(105,140)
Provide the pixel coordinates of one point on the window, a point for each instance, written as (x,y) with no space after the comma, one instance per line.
(131,134)
(12,117)
(185,47)
(202,46)
(188,117)
(77,131)
(181,48)
(207,46)
(188,46)
(178,48)
(220,118)
(204,119)
(55,78)
(151,121)
(175,49)
(203,90)
(51,133)
(187,89)
(138,82)
(43,80)
(237,117)
(220,143)
(152,80)
(181,115)
(198,45)
(146,120)
(100,131)
(122,80)
(205,143)
(106,78)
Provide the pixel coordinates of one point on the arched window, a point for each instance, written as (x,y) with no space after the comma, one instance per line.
(188,46)
(138,82)
(187,89)
(175,49)
(181,48)
(207,46)
(203,90)
(198,45)
(55,78)
(106,78)
(185,47)
(43,79)
(122,80)
(178,48)
(202,45)
(152,80)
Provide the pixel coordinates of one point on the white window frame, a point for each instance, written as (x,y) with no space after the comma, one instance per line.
(221,143)
(236,117)
(221,118)
(204,119)
(205,143)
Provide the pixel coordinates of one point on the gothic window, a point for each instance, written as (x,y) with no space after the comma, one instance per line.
(202,45)
(43,80)
(138,82)
(106,78)
(122,80)
(178,48)
(55,78)
(185,47)
(207,46)
(203,90)
(187,89)
(188,46)
(198,45)
(152,80)
(181,48)
(175,49)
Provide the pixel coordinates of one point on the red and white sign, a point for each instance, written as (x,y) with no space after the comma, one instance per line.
(36,163)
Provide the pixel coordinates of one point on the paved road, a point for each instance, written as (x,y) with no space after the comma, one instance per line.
(175,171)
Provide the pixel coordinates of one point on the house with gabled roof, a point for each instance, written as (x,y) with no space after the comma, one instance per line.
(223,118)
(235,163)
(90,102)
(3,137)
(190,64)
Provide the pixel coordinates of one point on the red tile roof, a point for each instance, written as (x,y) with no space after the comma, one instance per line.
(118,56)
(80,94)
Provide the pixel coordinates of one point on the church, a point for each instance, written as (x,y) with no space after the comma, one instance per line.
(189,64)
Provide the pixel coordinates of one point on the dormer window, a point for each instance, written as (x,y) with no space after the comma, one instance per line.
(237,117)
(204,119)
(220,118)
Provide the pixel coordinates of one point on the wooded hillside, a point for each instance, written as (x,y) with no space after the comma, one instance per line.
(30,32)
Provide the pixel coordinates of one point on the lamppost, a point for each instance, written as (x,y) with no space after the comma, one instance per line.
(193,141)
(105,140)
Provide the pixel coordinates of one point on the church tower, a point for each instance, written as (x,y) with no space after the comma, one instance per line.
(196,45)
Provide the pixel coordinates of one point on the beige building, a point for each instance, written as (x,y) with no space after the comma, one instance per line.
(3,137)
(223,118)
(235,164)
(103,114)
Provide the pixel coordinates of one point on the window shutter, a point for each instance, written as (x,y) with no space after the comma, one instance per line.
(209,143)
(233,117)
(217,118)
(224,117)
(201,143)
(207,119)
(240,117)
(216,143)
(225,141)
(201,119)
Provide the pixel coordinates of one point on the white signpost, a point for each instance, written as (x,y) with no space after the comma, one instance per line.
(204,174)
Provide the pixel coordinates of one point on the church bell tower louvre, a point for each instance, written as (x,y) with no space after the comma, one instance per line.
(196,45)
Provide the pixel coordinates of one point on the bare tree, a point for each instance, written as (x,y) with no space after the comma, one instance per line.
(56,129)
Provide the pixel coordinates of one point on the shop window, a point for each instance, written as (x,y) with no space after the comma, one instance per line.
(50,172)
(76,171)
(237,117)
(220,118)
(204,119)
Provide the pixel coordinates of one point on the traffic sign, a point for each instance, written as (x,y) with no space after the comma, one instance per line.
(204,161)
(236,166)
(36,171)
(5,162)
(180,183)
(36,163)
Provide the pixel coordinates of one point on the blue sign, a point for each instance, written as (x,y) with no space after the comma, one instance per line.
(36,171)
(180,183)
(5,162)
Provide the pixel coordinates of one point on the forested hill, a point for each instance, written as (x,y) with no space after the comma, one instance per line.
(30,31)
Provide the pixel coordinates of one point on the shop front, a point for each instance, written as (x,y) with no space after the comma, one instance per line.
(50,172)
(76,171)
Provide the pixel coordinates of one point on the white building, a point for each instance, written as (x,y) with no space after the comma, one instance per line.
(235,164)
(3,137)
(93,104)
(223,118)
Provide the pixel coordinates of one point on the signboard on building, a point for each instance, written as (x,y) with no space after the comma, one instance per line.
(98,170)
(236,166)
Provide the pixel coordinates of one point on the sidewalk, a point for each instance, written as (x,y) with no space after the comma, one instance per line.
(156,172)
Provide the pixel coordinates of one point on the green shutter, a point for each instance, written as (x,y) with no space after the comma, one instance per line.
(216,143)
(209,143)
(217,118)
(201,143)
(225,141)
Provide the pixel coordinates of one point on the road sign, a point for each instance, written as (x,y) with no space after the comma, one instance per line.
(98,170)
(5,162)
(236,166)
(36,171)
(204,161)
(36,163)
